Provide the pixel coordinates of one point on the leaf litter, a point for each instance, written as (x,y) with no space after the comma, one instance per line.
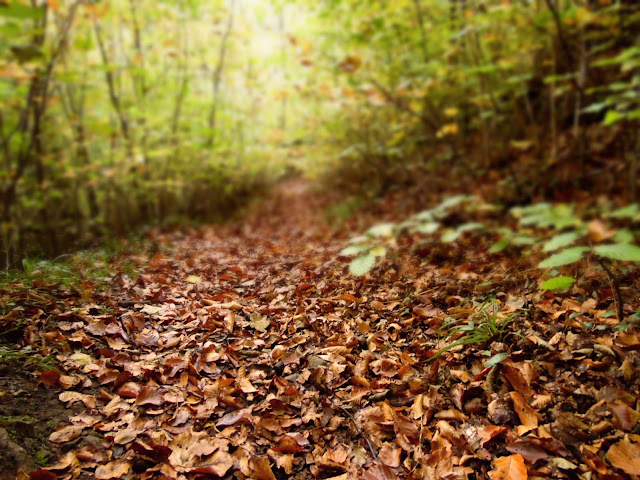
(250,352)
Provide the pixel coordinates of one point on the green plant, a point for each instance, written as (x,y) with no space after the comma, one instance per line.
(27,356)
(372,245)
(573,238)
(484,326)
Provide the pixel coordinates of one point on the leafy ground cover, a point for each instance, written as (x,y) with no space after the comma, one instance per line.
(249,351)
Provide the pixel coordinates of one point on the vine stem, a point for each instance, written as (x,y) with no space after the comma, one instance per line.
(616,289)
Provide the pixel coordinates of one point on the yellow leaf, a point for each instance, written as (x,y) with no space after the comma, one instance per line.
(451,112)
(194,279)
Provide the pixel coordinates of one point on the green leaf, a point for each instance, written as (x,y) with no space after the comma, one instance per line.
(382,230)
(361,265)
(560,241)
(522,240)
(612,117)
(565,257)
(499,246)
(467,227)
(354,249)
(450,236)
(453,201)
(428,228)
(558,283)
(623,236)
(630,211)
(620,251)
(496,359)
(378,251)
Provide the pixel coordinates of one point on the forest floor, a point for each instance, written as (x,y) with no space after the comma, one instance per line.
(249,351)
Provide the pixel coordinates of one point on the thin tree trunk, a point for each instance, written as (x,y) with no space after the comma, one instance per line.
(217,76)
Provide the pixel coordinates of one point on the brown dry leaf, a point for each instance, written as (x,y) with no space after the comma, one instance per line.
(625,455)
(150,396)
(243,382)
(67,434)
(385,367)
(380,471)
(115,469)
(288,444)
(517,379)
(218,464)
(599,232)
(125,436)
(509,468)
(624,417)
(478,437)
(528,416)
(243,415)
(390,454)
(190,447)
(259,322)
(36,475)
(261,469)
(49,377)
(89,401)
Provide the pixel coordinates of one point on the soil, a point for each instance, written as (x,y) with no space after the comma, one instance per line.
(28,414)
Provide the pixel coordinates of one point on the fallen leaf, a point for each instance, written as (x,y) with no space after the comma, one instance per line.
(528,416)
(42,475)
(288,444)
(625,455)
(49,377)
(599,232)
(380,471)
(509,468)
(66,434)
(150,396)
(262,469)
(115,469)
(390,454)
(232,418)
(259,322)
(89,401)
(218,464)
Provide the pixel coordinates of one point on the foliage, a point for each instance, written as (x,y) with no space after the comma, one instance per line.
(108,122)
(422,79)
(370,246)
(484,326)
(562,237)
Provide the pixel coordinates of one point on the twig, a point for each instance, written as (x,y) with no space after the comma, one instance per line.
(616,289)
(353,420)
(362,434)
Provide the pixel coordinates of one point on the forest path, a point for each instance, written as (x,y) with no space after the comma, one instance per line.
(241,352)
(247,351)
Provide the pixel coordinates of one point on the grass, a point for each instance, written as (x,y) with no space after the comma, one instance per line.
(482,327)
(27,357)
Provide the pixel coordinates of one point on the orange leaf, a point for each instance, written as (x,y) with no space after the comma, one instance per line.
(528,416)
(509,468)
(49,377)
(625,456)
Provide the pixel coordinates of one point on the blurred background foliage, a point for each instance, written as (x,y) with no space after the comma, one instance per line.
(117,115)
